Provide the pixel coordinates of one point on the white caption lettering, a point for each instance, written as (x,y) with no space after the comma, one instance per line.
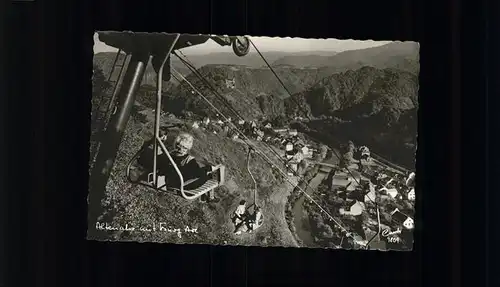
(154,227)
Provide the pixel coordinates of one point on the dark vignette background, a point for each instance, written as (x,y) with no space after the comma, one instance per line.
(49,57)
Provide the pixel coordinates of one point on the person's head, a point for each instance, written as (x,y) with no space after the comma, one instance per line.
(163,135)
(243,202)
(183,144)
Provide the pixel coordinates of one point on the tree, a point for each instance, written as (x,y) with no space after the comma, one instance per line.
(323,151)
(303,165)
(321,154)
(327,231)
(280,121)
(99,101)
(99,83)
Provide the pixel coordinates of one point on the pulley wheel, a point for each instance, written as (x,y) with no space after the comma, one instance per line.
(241,46)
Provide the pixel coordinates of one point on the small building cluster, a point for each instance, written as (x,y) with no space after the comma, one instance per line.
(230,84)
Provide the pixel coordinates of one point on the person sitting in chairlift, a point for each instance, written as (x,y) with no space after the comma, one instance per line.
(239,216)
(255,220)
(187,164)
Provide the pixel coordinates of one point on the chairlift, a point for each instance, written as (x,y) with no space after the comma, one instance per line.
(157,147)
(254,206)
(143,47)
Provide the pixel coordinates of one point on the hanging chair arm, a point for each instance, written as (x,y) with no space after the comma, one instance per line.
(250,149)
(158,114)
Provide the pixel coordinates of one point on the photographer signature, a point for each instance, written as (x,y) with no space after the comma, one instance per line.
(392,235)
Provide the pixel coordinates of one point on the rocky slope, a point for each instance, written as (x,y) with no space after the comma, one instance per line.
(373,107)
(354,94)
(256,92)
(376,107)
(368,95)
(253,60)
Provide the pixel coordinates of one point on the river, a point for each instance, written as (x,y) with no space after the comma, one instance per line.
(301,218)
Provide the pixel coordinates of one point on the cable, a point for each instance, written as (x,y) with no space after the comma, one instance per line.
(307,115)
(296,103)
(193,70)
(191,67)
(224,100)
(348,233)
(220,97)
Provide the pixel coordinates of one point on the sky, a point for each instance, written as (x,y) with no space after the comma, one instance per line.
(268,44)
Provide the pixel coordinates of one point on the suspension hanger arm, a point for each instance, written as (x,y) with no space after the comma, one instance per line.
(159,83)
(250,150)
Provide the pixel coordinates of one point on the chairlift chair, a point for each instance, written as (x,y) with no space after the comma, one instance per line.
(156,181)
(254,205)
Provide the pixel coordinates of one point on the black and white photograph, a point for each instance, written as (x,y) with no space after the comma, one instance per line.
(253,141)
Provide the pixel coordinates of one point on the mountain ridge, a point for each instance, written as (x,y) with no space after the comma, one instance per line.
(373,92)
(400,55)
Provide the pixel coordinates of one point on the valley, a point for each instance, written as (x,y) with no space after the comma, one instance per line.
(329,100)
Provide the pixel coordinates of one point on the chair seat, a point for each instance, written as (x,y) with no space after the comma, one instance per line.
(207,186)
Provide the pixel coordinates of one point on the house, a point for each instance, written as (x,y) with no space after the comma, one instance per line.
(305,151)
(289,154)
(268,126)
(403,219)
(280,131)
(219,122)
(411,194)
(371,196)
(409,223)
(392,192)
(410,181)
(241,122)
(230,84)
(365,152)
(206,121)
(293,132)
(195,125)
